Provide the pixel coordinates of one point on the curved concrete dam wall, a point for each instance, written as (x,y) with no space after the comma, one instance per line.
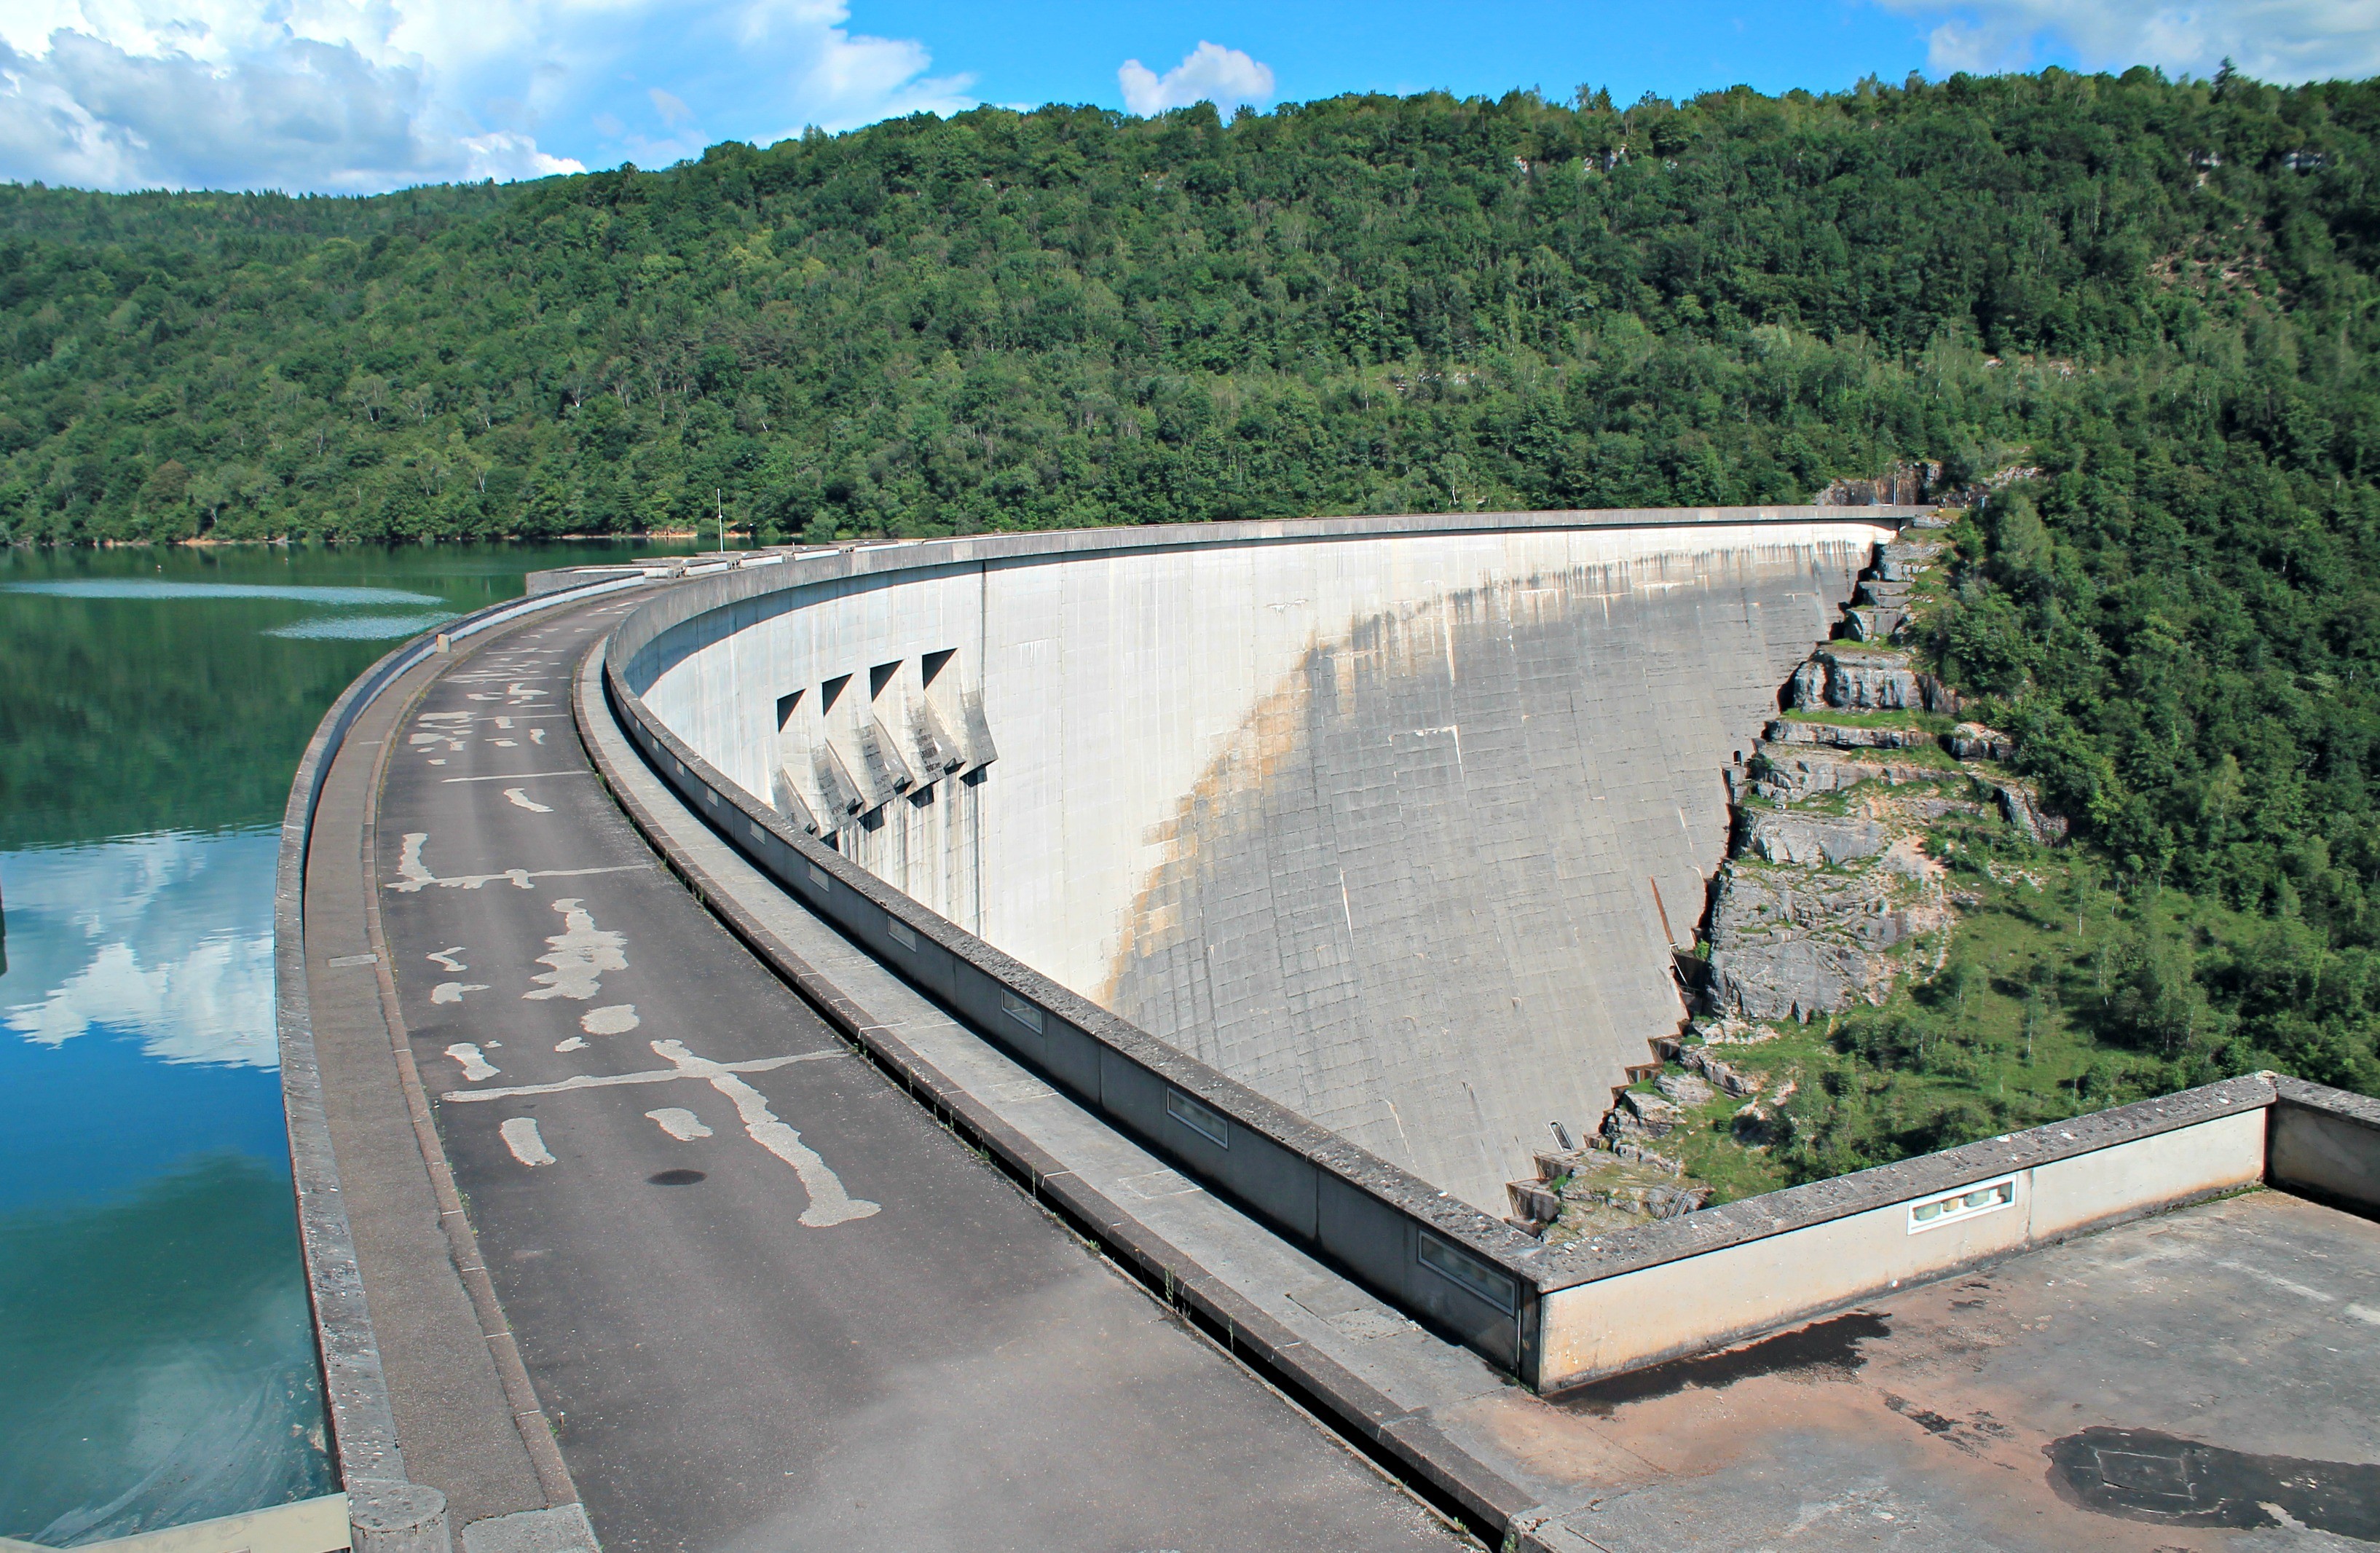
(1380,817)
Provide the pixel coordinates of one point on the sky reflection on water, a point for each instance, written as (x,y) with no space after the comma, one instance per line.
(165,938)
(356,627)
(155,1355)
(157,1363)
(162,588)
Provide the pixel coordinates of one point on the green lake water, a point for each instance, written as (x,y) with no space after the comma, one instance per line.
(156,1358)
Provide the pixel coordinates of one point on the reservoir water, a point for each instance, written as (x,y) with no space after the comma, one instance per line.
(156,1358)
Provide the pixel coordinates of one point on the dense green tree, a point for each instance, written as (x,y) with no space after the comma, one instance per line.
(2157,295)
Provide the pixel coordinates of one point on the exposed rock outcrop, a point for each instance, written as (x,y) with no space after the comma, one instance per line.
(1786,946)
(2019,807)
(1973,741)
(1826,898)
(1586,1192)
(1829,840)
(1788,775)
(1828,892)
(1859,677)
(1789,731)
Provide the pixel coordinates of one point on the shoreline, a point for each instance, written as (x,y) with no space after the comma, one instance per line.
(745,542)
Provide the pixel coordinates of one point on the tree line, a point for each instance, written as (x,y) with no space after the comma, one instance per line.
(2156,293)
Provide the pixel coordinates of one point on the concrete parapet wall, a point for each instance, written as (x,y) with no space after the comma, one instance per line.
(2326,1145)
(1392,819)
(1696,1301)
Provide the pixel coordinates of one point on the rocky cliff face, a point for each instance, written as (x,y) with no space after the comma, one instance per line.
(1826,899)
(1829,896)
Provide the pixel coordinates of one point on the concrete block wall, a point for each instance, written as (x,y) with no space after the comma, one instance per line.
(1375,822)
(2326,1143)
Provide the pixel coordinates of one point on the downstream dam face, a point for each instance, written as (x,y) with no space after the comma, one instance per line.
(1394,820)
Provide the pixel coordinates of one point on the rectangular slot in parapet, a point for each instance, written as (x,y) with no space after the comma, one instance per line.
(1468,1272)
(1205,1121)
(1016,1007)
(1957,1208)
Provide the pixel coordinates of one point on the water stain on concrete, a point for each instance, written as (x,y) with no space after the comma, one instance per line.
(1412,897)
(2144,1474)
(1828,1350)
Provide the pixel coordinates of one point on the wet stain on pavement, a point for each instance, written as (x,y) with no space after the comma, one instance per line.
(1826,1350)
(1973,1436)
(675,1178)
(2143,1474)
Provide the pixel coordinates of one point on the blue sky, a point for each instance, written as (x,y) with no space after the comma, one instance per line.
(359,95)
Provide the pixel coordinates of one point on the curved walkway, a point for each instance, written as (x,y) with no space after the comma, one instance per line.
(763,1299)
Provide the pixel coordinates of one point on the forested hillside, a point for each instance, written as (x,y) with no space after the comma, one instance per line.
(2158,296)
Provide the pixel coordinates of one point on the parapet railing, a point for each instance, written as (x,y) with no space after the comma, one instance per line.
(1466,1273)
(354,1392)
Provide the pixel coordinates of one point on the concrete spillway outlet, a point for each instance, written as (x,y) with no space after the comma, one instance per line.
(1397,828)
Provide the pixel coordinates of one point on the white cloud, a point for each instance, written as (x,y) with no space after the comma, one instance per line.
(1226,77)
(357,95)
(165,937)
(2272,40)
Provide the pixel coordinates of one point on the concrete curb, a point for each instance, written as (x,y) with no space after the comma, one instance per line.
(354,1390)
(1404,1441)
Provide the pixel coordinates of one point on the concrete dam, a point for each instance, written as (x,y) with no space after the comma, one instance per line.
(1394,820)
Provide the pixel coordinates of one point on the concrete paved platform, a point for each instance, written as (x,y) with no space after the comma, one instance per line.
(766,1300)
(2205,1379)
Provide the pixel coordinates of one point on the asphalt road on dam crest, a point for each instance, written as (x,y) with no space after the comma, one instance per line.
(769,1302)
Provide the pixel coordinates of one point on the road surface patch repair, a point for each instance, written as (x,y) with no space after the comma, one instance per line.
(414,875)
(579,955)
(521,1136)
(680,1123)
(475,1065)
